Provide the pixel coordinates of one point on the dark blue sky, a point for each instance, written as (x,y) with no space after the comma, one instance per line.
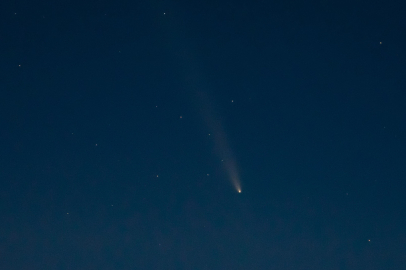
(106,161)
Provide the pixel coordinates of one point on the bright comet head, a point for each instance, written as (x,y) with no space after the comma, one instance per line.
(239,191)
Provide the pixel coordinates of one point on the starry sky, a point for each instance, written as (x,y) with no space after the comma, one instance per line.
(202,134)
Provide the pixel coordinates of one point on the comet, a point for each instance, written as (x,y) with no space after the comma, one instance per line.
(197,87)
(221,143)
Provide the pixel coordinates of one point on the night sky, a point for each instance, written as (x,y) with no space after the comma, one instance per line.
(202,134)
